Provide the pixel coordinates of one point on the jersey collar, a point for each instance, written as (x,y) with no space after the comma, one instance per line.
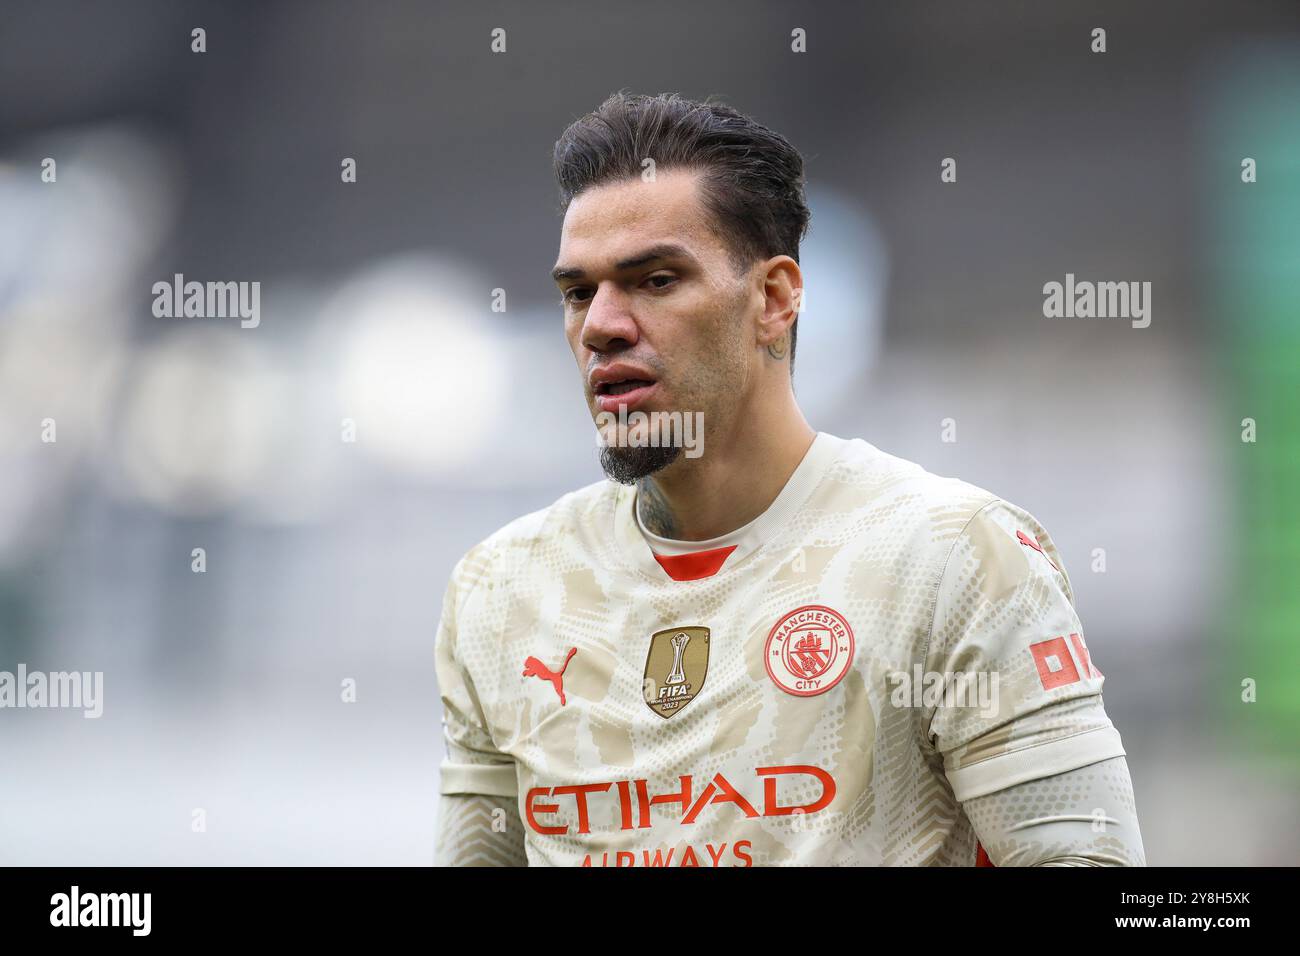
(692,560)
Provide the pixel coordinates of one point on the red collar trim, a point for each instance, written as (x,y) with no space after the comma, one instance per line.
(696,565)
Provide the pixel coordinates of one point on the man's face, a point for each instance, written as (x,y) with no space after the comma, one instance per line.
(655,314)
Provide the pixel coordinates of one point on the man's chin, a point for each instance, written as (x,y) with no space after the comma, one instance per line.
(628,465)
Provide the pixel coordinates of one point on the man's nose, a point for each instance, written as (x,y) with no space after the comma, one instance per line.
(608,324)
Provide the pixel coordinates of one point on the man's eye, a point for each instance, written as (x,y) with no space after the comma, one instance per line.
(662,280)
(569,294)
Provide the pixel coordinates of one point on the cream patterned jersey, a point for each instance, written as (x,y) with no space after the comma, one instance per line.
(881,646)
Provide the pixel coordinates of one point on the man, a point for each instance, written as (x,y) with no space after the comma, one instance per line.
(787,649)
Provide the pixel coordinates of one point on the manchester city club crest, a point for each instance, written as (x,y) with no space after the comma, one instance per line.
(809,650)
(675,668)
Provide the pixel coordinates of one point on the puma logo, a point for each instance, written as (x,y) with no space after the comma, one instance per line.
(1033,543)
(535,668)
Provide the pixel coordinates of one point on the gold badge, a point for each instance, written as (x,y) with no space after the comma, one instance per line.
(675,668)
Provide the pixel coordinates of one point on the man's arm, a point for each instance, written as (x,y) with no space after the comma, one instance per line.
(1083,817)
(479,830)
(1037,765)
(478,816)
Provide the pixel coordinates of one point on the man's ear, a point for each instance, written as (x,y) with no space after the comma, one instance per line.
(782,282)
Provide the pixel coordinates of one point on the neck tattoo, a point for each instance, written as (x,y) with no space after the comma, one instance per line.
(652,507)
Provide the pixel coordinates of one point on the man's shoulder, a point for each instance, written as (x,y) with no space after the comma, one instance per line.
(902,493)
(927,515)
(573,511)
(587,511)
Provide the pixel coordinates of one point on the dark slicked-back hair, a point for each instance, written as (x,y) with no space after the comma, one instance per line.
(752,180)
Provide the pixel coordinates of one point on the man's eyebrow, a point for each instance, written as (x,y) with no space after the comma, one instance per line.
(665,250)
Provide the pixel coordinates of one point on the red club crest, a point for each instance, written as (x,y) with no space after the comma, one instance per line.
(809,650)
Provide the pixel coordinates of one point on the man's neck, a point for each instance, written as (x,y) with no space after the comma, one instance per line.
(727,487)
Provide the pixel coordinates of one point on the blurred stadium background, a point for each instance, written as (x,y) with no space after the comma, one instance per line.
(326,560)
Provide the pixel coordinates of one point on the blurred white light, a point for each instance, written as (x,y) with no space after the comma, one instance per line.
(198,421)
(424,384)
(49,372)
(86,233)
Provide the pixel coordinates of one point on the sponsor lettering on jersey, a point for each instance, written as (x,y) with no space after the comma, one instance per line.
(1056,668)
(713,855)
(634,801)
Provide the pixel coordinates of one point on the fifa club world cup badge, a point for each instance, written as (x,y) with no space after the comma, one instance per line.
(809,650)
(675,668)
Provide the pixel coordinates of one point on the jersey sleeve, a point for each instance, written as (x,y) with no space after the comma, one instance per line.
(473,764)
(1083,817)
(479,830)
(1022,695)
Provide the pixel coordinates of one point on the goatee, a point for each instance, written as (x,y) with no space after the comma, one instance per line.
(628,465)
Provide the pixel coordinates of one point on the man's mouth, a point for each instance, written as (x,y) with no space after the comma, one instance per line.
(623,387)
(620,385)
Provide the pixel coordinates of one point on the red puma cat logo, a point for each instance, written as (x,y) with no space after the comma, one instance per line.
(1033,543)
(535,668)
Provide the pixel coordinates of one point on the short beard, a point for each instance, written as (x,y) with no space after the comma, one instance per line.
(628,465)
